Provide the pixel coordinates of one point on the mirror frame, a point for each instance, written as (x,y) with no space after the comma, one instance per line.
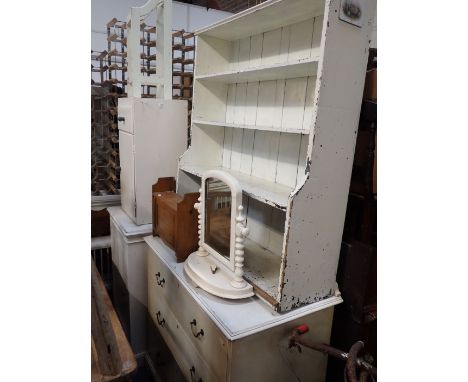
(236,196)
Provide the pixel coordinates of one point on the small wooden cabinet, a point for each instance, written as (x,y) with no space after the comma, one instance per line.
(217,340)
(175,217)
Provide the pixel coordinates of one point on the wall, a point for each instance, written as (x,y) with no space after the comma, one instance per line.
(184,16)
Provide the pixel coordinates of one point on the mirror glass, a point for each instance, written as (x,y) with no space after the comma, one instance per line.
(218,216)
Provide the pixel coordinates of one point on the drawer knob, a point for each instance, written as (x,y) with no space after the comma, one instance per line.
(159,280)
(192,374)
(160,322)
(121,119)
(193,324)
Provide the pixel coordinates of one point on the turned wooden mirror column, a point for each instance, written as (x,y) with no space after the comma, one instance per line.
(218,264)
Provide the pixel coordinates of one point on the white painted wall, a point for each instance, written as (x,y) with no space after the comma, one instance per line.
(184,16)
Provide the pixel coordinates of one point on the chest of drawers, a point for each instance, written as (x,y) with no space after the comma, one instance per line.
(213,339)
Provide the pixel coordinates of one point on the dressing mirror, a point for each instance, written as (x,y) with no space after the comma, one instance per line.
(218,264)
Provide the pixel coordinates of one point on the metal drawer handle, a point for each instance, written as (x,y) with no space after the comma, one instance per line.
(121,119)
(158,280)
(192,374)
(160,322)
(198,334)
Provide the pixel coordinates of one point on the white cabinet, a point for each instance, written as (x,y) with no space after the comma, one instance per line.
(152,136)
(129,275)
(277,95)
(214,339)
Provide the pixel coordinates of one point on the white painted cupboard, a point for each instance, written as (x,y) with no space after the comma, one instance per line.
(147,150)
(277,94)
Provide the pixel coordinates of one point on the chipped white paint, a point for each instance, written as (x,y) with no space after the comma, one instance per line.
(283,123)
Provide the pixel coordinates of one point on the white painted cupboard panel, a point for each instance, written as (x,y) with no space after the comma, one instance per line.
(265,155)
(266,103)
(288,159)
(231,103)
(239,109)
(278,109)
(309,104)
(244,53)
(316,40)
(251,103)
(271,47)
(236,149)
(127,173)
(284,44)
(294,101)
(247,148)
(300,40)
(256,44)
(228,134)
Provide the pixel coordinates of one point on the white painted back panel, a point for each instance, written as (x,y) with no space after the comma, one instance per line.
(251,103)
(294,101)
(127,173)
(239,110)
(288,159)
(271,47)
(318,26)
(266,103)
(265,155)
(236,149)
(256,44)
(300,40)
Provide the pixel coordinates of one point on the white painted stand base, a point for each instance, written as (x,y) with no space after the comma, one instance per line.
(219,283)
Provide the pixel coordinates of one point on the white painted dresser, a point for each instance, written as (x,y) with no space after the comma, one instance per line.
(213,339)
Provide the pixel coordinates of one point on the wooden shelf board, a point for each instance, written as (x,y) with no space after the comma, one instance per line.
(251,127)
(303,68)
(268,192)
(264,17)
(262,267)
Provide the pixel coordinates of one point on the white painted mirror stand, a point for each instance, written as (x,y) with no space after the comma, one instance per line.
(217,265)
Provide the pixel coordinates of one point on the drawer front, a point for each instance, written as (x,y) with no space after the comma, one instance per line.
(189,360)
(161,279)
(207,338)
(203,333)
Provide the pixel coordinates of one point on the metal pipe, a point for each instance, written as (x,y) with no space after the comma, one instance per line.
(350,357)
(352,360)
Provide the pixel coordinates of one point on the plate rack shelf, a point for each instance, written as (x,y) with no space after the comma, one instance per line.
(276,101)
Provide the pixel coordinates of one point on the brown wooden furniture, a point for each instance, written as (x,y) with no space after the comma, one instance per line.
(112,358)
(175,218)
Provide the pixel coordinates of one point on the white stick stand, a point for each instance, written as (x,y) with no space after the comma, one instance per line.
(241,233)
(198,206)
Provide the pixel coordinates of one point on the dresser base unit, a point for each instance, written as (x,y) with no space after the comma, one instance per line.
(215,339)
(152,136)
(129,276)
